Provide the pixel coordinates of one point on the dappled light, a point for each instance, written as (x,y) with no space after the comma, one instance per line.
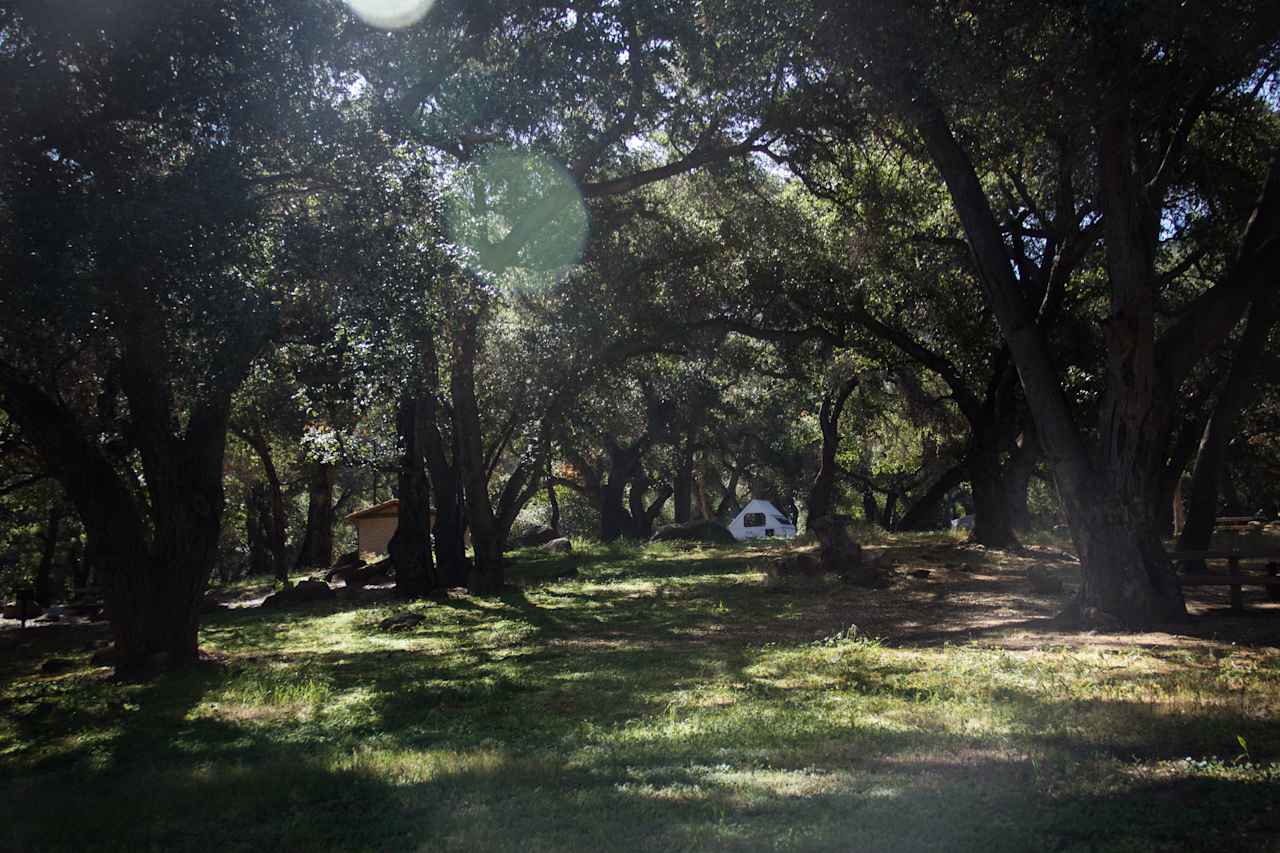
(613,426)
(670,686)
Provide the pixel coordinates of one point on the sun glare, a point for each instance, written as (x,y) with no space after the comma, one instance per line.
(521,210)
(391,14)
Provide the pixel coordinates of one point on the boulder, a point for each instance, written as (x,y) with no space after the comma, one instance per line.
(1043,582)
(703,530)
(795,565)
(369,574)
(306,591)
(841,556)
(401,622)
(342,569)
(558,546)
(538,534)
(964,522)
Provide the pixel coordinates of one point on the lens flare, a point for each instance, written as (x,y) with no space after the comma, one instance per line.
(391,14)
(516,210)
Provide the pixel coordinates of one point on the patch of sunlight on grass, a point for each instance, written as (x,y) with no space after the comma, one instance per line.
(660,699)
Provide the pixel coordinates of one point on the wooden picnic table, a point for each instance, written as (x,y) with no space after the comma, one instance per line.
(1234,577)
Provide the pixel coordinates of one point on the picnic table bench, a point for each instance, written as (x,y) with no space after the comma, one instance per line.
(1234,577)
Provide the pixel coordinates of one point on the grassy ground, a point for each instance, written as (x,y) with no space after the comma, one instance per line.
(662,700)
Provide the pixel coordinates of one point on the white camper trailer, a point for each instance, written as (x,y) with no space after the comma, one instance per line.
(759,519)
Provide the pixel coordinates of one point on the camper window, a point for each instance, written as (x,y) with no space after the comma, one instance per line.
(753,519)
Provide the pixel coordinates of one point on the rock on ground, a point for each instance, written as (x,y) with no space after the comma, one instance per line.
(1043,582)
(304,592)
(401,622)
(558,546)
(539,534)
(703,530)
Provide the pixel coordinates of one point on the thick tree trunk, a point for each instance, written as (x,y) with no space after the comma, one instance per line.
(992,522)
(317,542)
(644,515)
(870,508)
(682,492)
(486,575)
(411,544)
(157,552)
(48,551)
(640,529)
(926,513)
(449,530)
(1126,576)
(624,465)
(1017,480)
(1237,391)
(889,510)
(443,466)
(615,521)
(155,590)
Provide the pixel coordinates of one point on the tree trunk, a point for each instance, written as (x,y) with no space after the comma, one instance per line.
(636,508)
(643,515)
(554,504)
(926,513)
(276,531)
(1126,576)
(1017,480)
(890,507)
(615,521)
(624,465)
(257,516)
(155,554)
(822,495)
(992,522)
(76,571)
(683,486)
(443,465)
(486,576)
(410,547)
(1178,509)
(48,550)
(317,542)
(1240,387)
(870,508)
(154,593)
